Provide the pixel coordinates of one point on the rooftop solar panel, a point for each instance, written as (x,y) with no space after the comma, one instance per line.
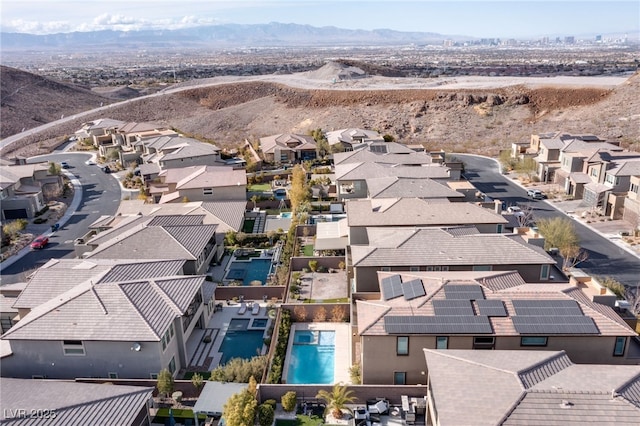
(463,291)
(491,308)
(547,307)
(391,287)
(452,307)
(545,325)
(412,289)
(445,324)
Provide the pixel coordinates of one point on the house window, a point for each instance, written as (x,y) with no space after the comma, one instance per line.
(544,272)
(484,342)
(171,330)
(172,365)
(166,338)
(386,269)
(442,342)
(482,267)
(399,378)
(207,191)
(618,349)
(612,180)
(594,172)
(429,268)
(73,347)
(153,376)
(445,268)
(37,377)
(113,375)
(402,345)
(533,341)
(414,268)
(499,228)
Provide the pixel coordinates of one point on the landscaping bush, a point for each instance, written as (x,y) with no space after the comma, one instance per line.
(288,401)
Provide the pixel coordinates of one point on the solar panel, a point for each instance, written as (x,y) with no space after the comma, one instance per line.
(452,307)
(491,308)
(412,289)
(445,324)
(525,324)
(547,308)
(391,287)
(463,291)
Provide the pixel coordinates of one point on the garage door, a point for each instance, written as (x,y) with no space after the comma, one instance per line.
(15,214)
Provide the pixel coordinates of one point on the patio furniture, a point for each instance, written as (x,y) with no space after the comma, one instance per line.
(256,309)
(242,309)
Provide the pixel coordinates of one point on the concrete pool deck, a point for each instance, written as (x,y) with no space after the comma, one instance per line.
(342,358)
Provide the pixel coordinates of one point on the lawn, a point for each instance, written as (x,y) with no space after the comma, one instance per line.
(259,187)
(247,227)
(308,250)
(301,420)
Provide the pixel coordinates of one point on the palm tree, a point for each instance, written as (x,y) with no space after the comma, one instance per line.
(337,399)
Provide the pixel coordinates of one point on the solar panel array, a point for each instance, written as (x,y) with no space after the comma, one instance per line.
(551,317)
(491,308)
(463,291)
(547,307)
(554,324)
(444,324)
(412,289)
(390,287)
(393,287)
(452,307)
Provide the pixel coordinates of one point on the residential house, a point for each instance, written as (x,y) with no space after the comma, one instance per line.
(349,139)
(548,146)
(480,310)
(416,212)
(62,403)
(21,189)
(610,173)
(182,237)
(384,153)
(8,313)
(288,148)
(106,318)
(395,248)
(175,151)
(528,387)
(332,236)
(99,131)
(199,183)
(632,202)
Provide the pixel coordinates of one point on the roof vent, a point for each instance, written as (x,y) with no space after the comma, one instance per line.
(566,404)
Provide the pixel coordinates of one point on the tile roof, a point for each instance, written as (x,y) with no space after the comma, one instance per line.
(142,270)
(124,311)
(347,135)
(416,212)
(495,393)
(73,403)
(401,187)
(283,141)
(390,246)
(176,220)
(368,170)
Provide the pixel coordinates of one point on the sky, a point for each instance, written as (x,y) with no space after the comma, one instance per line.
(476,18)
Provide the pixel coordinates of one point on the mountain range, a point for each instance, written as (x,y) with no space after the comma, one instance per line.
(222,36)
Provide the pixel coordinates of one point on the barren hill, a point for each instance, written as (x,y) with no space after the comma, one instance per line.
(456,116)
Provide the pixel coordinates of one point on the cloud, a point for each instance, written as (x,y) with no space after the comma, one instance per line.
(106,21)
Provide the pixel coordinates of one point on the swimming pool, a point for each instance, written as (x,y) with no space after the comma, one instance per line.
(312,358)
(239,342)
(254,270)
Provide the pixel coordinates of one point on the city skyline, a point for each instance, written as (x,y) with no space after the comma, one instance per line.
(463,18)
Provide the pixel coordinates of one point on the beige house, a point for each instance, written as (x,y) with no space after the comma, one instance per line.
(349,139)
(480,310)
(199,183)
(528,387)
(400,249)
(288,148)
(21,189)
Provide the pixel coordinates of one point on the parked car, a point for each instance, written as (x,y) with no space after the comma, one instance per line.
(90,163)
(514,209)
(40,242)
(64,165)
(536,194)
(106,169)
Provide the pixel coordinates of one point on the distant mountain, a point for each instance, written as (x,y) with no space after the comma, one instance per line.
(228,35)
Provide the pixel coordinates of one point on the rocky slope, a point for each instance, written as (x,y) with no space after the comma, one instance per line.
(462,120)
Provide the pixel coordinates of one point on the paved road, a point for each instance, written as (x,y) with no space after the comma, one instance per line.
(100,196)
(605,257)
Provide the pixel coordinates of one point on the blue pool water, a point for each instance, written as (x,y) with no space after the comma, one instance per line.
(254,270)
(259,323)
(241,344)
(287,215)
(312,357)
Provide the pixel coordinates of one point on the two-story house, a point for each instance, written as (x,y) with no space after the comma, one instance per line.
(349,139)
(288,148)
(21,189)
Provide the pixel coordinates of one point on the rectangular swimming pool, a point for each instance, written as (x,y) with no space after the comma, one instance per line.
(254,270)
(241,344)
(312,358)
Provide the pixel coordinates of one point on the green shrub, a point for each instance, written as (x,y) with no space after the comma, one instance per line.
(288,401)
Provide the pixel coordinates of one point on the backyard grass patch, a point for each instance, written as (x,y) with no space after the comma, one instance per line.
(247,227)
(301,420)
(308,250)
(259,187)
(163,414)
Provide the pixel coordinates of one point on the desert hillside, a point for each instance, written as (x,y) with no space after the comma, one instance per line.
(474,119)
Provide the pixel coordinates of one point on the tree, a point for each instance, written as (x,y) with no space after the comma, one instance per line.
(240,409)
(337,399)
(388,138)
(313,265)
(254,200)
(288,401)
(54,168)
(355,373)
(338,313)
(558,232)
(266,414)
(300,313)
(320,315)
(197,381)
(572,256)
(239,370)
(165,382)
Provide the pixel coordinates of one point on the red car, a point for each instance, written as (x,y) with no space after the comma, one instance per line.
(40,242)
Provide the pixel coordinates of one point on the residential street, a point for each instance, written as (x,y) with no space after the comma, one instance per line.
(605,257)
